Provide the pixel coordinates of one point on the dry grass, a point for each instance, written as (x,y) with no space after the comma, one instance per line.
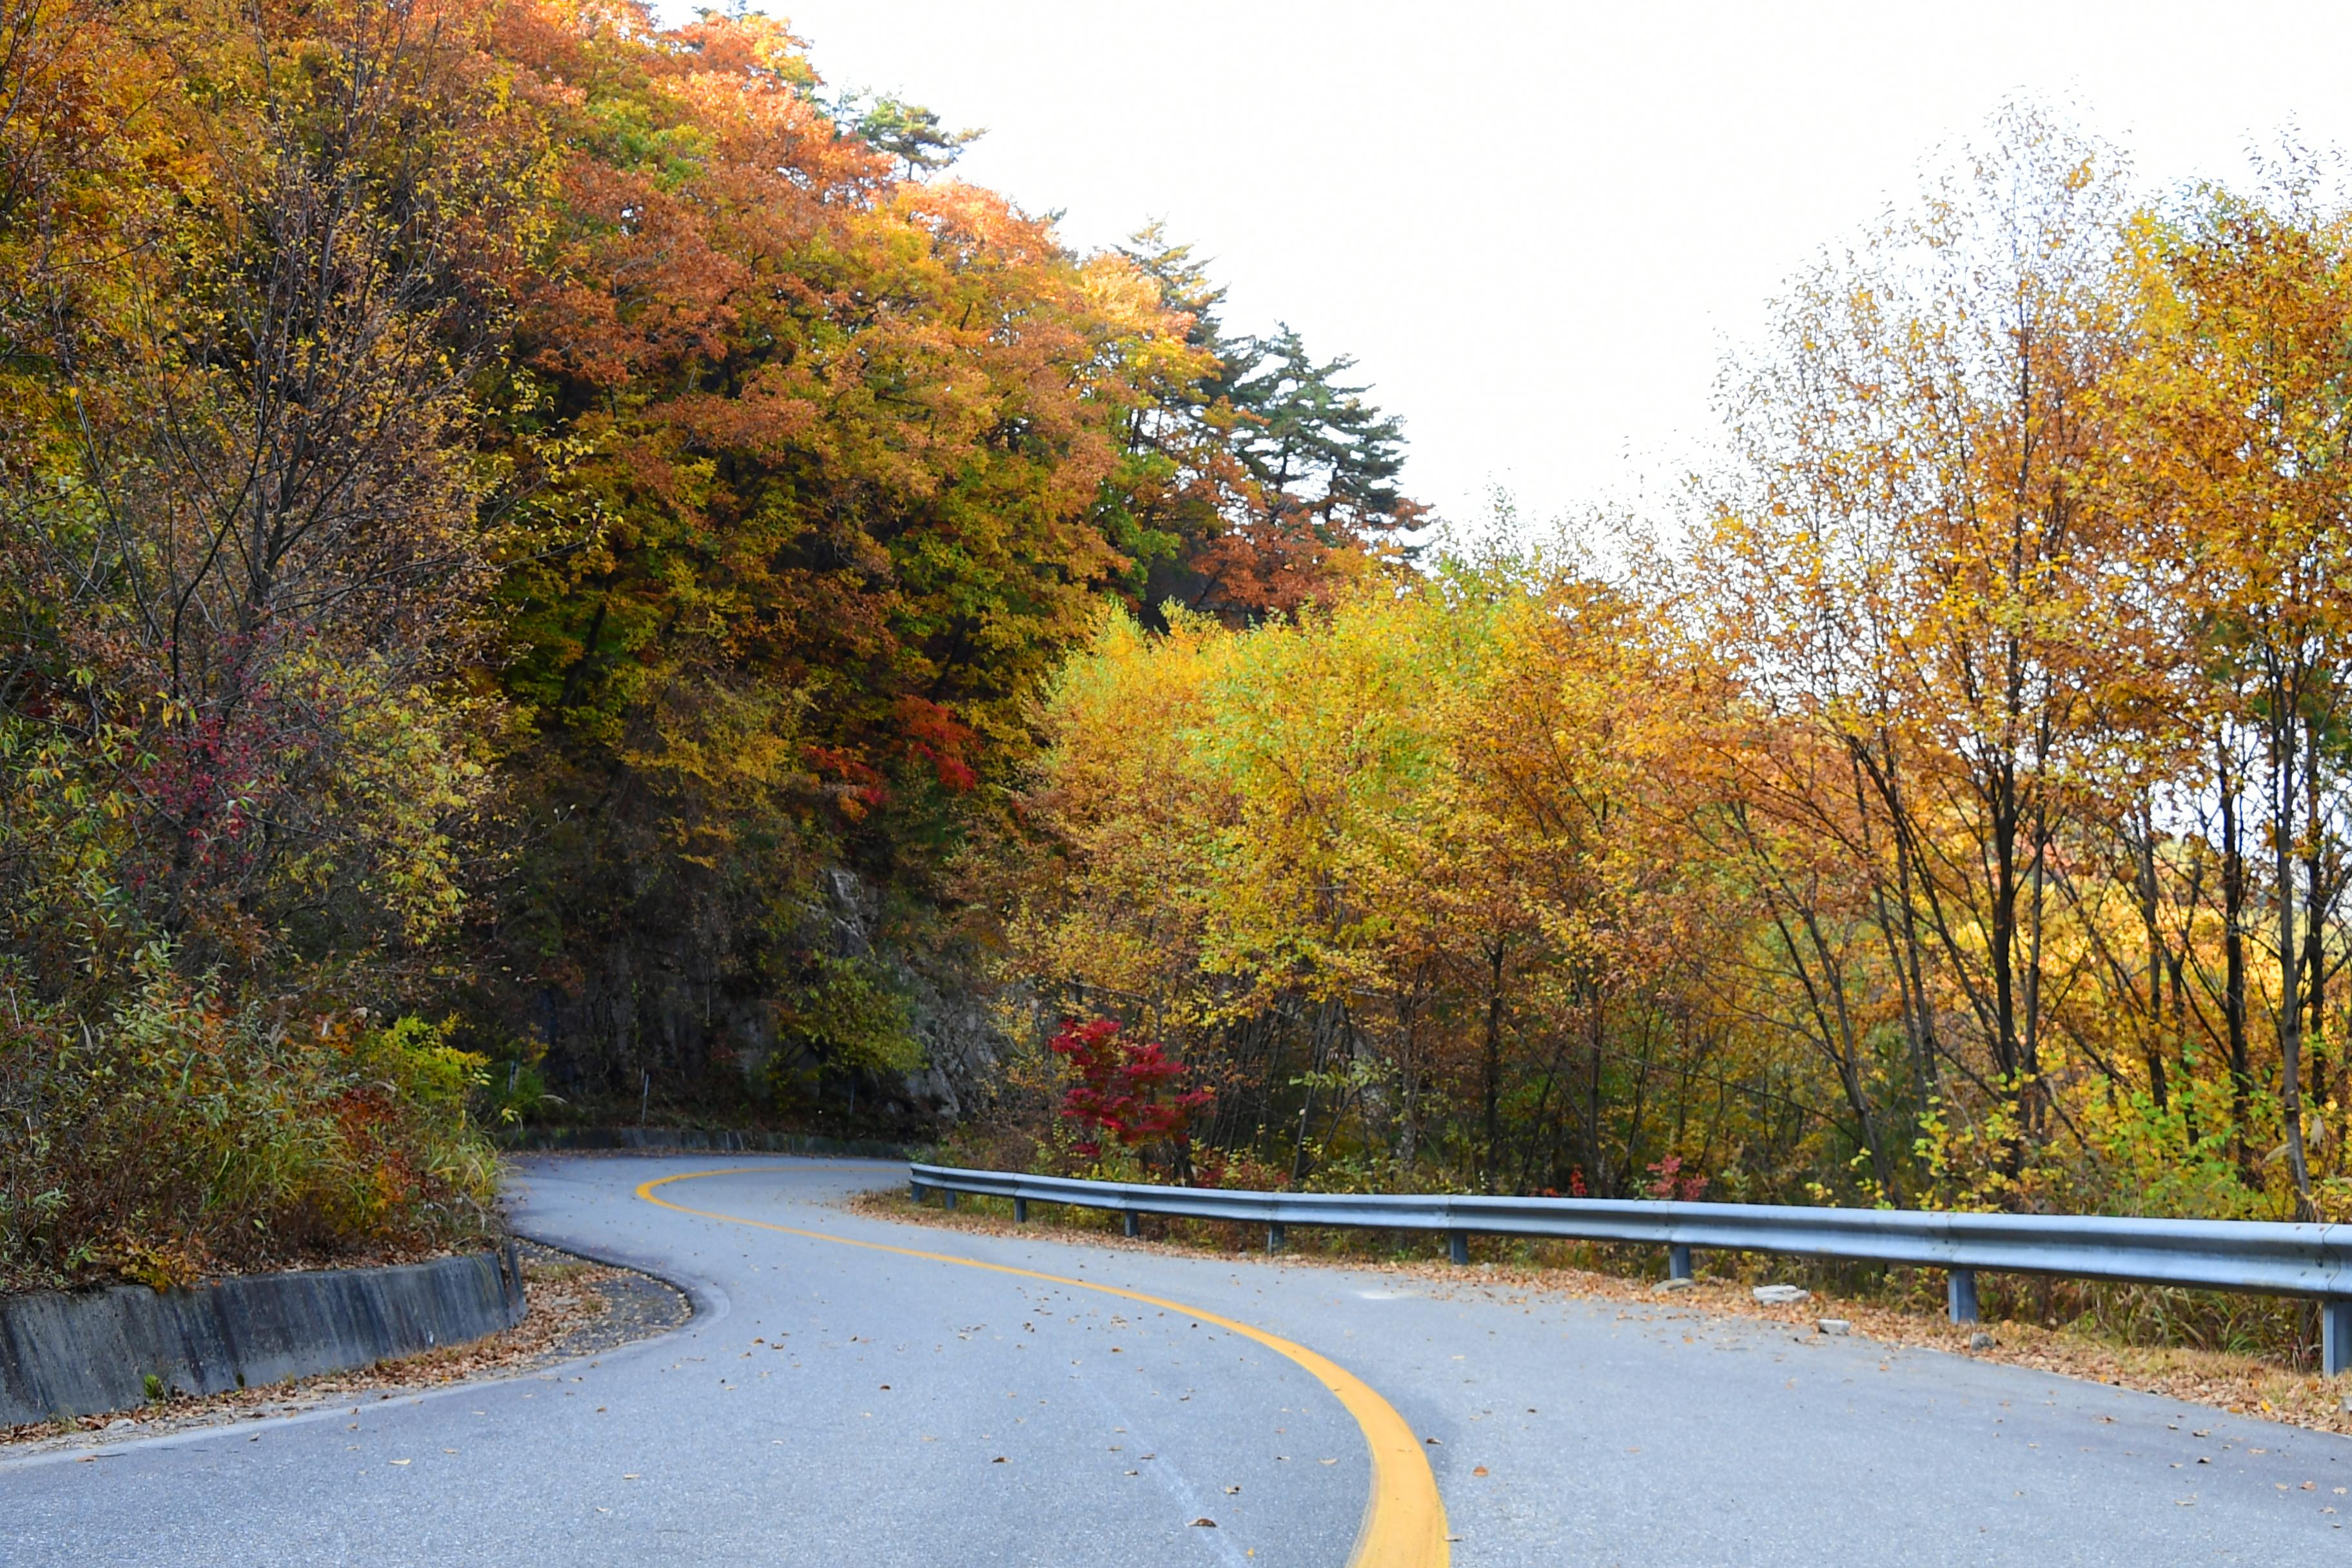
(183,1137)
(2242,1384)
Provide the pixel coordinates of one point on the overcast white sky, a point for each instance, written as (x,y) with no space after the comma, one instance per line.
(1537,226)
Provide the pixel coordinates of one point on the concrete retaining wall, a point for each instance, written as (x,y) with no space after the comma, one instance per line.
(85,1353)
(717,1140)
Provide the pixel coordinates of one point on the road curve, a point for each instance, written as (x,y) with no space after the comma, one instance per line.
(1405,1520)
(887,1404)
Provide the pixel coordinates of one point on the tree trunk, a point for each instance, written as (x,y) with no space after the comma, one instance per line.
(2317,898)
(2147,890)
(1596,1163)
(2000,799)
(1490,1083)
(2233,959)
(2283,801)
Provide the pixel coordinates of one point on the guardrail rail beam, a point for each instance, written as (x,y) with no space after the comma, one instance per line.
(2271,1257)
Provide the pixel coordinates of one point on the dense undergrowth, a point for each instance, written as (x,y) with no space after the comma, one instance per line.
(181,1137)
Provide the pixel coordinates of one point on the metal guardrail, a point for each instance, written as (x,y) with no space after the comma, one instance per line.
(2212,1254)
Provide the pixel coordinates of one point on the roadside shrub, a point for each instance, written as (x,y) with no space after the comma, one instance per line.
(852,1017)
(1125,1090)
(181,1136)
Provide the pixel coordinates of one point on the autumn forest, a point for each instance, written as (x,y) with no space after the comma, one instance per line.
(559,571)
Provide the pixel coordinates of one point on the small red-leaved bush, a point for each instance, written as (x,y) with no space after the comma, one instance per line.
(1123,1089)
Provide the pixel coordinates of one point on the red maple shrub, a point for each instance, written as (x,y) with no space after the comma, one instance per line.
(1124,1089)
(1674,1182)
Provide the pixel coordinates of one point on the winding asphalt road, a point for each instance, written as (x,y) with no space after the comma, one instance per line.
(879,1403)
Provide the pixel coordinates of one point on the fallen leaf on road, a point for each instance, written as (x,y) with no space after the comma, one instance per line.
(400,1461)
(1209,1523)
(1479,1471)
(1000,1459)
(1327,1461)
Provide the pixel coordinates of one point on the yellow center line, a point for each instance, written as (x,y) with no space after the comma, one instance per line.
(1404,1519)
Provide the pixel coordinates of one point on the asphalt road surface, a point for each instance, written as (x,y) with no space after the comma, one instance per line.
(868,1404)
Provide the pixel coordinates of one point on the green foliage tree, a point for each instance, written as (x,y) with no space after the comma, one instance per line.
(908,133)
(1265,478)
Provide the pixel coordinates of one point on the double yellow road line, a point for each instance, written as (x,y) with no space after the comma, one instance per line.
(1404,1519)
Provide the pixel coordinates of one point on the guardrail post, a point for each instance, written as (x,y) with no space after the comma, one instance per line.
(947,1197)
(1960,1294)
(1678,1264)
(1275,1237)
(1458,1245)
(2335,1334)
(913,1192)
(1133,1223)
(1021,1211)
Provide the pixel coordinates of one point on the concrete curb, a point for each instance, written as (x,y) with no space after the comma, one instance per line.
(86,1353)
